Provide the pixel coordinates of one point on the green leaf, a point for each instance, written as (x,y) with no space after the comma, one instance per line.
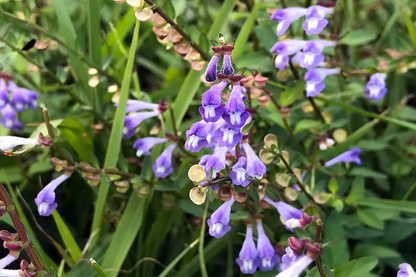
(396,205)
(67,237)
(11,174)
(173,263)
(365,249)
(97,268)
(410,26)
(357,190)
(358,37)
(307,124)
(333,185)
(357,267)
(247,127)
(328,272)
(245,31)
(291,94)
(114,145)
(337,253)
(302,234)
(126,232)
(338,204)
(94,32)
(254,61)
(367,172)
(369,218)
(170,10)
(74,132)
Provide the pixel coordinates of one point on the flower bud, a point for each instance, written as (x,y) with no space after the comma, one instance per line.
(122,186)
(297,245)
(182,49)
(285,112)
(13,246)
(313,250)
(225,192)
(255,92)
(196,173)
(45,141)
(264,101)
(7,236)
(306,220)
(59,164)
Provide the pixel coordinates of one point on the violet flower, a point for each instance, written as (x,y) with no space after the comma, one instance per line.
(376,87)
(196,136)
(288,47)
(285,17)
(296,268)
(134,120)
(227,67)
(211,72)
(235,113)
(46,197)
(265,250)
(9,119)
(248,259)
(137,105)
(214,162)
(228,136)
(315,19)
(351,156)
(211,108)
(255,167)
(4,95)
(289,258)
(9,142)
(314,80)
(406,270)
(285,210)
(163,165)
(144,145)
(8,260)
(219,221)
(211,137)
(312,56)
(22,97)
(238,173)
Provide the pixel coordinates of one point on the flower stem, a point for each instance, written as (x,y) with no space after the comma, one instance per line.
(317,239)
(204,272)
(172,118)
(178,29)
(11,209)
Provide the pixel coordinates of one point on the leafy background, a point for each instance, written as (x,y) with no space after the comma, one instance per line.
(371,219)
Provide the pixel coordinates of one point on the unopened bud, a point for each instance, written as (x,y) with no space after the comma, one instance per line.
(285,112)
(94,180)
(59,164)
(330,4)
(279,250)
(122,186)
(264,101)
(255,92)
(297,245)
(7,236)
(322,36)
(162,106)
(313,250)
(306,220)
(225,192)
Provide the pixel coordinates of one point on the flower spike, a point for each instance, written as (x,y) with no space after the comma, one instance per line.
(235,111)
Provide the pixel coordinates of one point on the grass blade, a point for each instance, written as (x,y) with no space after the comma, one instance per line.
(391,205)
(387,119)
(126,232)
(246,30)
(114,145)
(410,26)
(204,272)
(67,237)
(170,266)
(94,32)
(97,268)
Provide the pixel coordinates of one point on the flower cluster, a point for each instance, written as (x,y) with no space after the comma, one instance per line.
(14,100)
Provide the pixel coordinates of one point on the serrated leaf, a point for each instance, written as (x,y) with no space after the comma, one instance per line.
(292,94)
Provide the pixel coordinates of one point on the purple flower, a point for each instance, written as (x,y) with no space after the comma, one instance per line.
(8,260)
(281,61)
(296,268)
(218,222)
(351,156)
(288,47)
(312,53)
(265,250)
(22,97)
(211,137)
(285,210)
(285,17)
(227,67)
(4,96)
(315,19)
(196,136)
(376,87)
(238,173)
(248,259)
(46,197)
(235,111)
(9,142)
(30,97)
(211,108)
(144,145)
(314,80)
(9,119)
(137,105)
(289,258)
(228,135)
(134,120)
(211,72)
(255,167)
(406,270)
(163,165)
(214,162)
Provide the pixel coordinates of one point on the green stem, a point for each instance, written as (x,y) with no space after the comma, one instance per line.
(409,192)
(204,272)
(172,118)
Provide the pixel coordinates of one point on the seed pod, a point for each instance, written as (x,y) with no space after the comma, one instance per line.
(270,140)
(198,195)
(122,186)
(59,164)
(283,179)
(240,197)
(225,192)
(196,173)
(94,180)
(265,156)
